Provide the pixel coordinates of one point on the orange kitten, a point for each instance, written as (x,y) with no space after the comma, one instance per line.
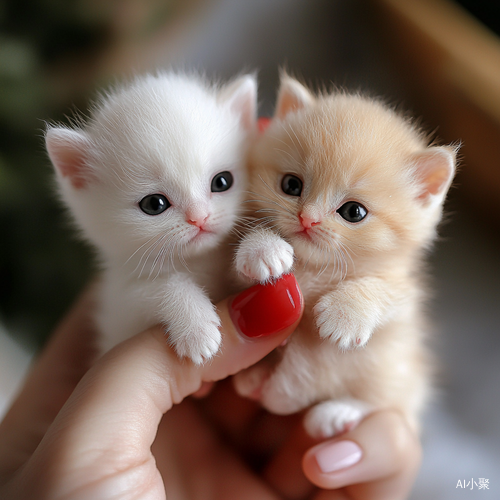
(348,193)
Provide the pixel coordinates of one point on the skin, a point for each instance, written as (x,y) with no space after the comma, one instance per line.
(124,428)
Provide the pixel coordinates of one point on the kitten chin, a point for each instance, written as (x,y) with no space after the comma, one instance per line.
(155,180)
(354,192)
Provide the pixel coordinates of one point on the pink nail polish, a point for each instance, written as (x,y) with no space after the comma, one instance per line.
(332,457)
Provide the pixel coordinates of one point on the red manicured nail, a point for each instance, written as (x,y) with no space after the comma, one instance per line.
(267,309)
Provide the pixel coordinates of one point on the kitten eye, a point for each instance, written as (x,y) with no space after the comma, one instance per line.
(352,211)
(222,182)
(291,185)
(154,204)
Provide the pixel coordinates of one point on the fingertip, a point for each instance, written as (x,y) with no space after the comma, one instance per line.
(267,309)
(255,322)
(382,447)
(326,463)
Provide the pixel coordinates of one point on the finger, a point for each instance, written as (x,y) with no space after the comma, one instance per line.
(254,433)
(196,465)
(284,473)
(232,415)
(204,390)
(378,460)
(332,495)
(260,317)
(115,410)
(50,382)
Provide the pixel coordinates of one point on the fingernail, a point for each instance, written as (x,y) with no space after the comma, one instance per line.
(264,310)
(337,456)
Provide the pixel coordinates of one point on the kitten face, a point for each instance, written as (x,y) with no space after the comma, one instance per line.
(161,172)
(342,179)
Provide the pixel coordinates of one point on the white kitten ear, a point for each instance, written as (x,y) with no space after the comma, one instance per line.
(434,171)
(68,150)
(292,96)
(241,96)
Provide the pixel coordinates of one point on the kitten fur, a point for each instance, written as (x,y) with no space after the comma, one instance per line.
(360,345)
(168,134)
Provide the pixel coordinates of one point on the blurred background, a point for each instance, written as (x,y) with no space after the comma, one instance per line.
(438,59)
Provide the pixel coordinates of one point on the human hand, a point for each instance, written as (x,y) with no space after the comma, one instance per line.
(289,460)
(78,434)
(92,440)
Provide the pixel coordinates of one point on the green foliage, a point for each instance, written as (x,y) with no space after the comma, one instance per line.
(46,48)
(42,266)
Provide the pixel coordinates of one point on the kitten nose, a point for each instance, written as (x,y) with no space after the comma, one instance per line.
(196,217)
(308,222)
(199,221)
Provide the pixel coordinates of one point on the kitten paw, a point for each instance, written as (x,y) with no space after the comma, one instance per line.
(342,323)
(249,383)
(264,258)
(197,340)
(330,418)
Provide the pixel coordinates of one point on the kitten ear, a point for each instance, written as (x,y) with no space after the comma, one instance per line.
(241,96)
(292,96)
(68,150)
(434,171)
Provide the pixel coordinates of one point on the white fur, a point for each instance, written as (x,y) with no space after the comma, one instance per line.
(263,256)
(168,134)
(334,417)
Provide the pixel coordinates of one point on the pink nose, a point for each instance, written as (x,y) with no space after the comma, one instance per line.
(308,222)
(198,221)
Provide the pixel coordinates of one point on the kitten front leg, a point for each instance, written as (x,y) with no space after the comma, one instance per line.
(349,314)
(329,418)
(191,321)
(283,382)
(263,255)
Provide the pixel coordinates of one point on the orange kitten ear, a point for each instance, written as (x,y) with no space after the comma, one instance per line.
(241,96)
(292,96)
(435,169)
(68,150)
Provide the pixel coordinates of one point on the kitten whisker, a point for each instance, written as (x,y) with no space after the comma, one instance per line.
(182,259)
(344,269)
(276,197)
(165,240)
(326,263)
(297,145)
(289,154)
(142,246)
(296,136)
(347,252)
(145,256)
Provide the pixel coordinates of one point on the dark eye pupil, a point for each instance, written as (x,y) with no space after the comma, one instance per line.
(291,185)
(352,211)
(222,182)
(154,204)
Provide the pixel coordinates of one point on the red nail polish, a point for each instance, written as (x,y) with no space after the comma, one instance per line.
(263,310)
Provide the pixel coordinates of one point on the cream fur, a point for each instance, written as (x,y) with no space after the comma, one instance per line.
(362,336)
(168,134)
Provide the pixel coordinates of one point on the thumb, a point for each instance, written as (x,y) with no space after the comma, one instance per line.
(110,421)
(253,324)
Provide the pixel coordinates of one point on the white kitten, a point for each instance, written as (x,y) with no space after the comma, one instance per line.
(155,181)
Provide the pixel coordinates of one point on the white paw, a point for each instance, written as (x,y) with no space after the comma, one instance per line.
(334,417)
(342,323)
(264,257)
(195,336)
